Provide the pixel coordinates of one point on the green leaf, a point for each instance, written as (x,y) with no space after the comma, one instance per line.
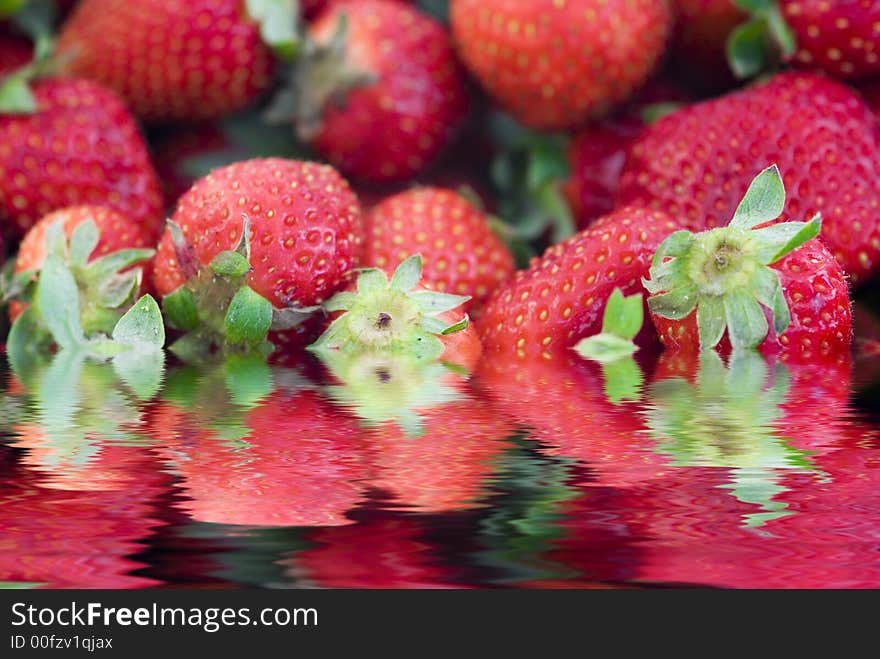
(554,205)
(371,279)
(673,246)
(676,304)
(83,242)
(16,96)
(623,316)
(278,25)
(248,318)
(340,302)
(26,340)
(623,380)
(407,274)
(605,347)
(711,321)
(746,324)
(426,347)
(747,49)
(55,240)
(333,336)
(117,291)
(230,264)
(779,240)
(141,327)
(433,325)
(779,31)
(181,310)
(57,298)
(768,290)
(433,303)
(763,201)
(456,327)
(105,267)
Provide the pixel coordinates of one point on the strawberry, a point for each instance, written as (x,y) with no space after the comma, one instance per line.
(702,28)
(556,64)
(460,252)
(560,298)
(170,59)
(379,89)
(837,37)
(81,146)
(15,52)
(115,233)
(697,163)
(398,315)
(303,240)
(735,279)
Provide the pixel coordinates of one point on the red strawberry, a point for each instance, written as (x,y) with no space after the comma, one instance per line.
(393,94)
(461,254)
(838,37)
(15,52)
(300,463)
(560,298)
(80,147)
(696,163)
(170,59)
(556,64)
(702,29)
(735,279)
(116,232)
(305,231)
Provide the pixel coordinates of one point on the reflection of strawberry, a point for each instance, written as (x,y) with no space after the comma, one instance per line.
(301,465)
(447,466)
(563,403)
(78,539)
(377,553)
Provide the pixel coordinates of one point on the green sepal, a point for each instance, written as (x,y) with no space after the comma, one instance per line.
(460,326)
(605,347)
(248,318)
(288,318)
(103,268)
(746,324)
(180,309)
(16,96)
(711,321)
(761,41)
(763,201)
(621,322)
(279,29)
(10,7)
(675,304)
(768,291)
(83,242)
(407,274)
(141,328)
(118,290)
(779,240)
(370,280)
(342,301)
(230,264)
(57,298)
(27,340)
(432,302)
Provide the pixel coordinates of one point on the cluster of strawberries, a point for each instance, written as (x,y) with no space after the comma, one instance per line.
(714,209)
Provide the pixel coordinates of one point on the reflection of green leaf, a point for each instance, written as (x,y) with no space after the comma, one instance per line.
(141,370)
(623,380)
(729,419)
(20,585)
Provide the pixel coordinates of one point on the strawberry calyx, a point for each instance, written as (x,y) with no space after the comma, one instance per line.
(323,75)
(394,315)
(761,41)
(216,308)
(35,19)
(724,273)
(380,386)
(105,287)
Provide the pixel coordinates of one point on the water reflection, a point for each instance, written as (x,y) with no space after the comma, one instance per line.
(381,472)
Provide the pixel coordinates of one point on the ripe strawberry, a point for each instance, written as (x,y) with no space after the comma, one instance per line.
(460,252)
(81,146)
(696,163)
(735,279)
(399,316)
(702,28)
(304,240)
(115,232)
(15,52)
(560,298)
(839,37)
(380,98)
(556,64)
(300,463)
(170,59)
